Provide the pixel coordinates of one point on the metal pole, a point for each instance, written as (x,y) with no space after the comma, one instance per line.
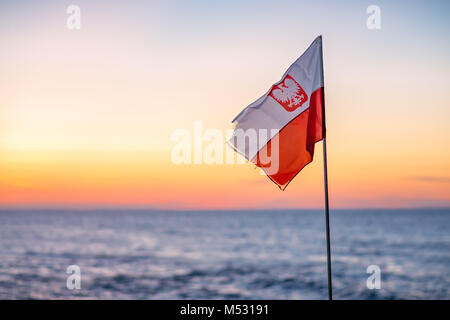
(327,218)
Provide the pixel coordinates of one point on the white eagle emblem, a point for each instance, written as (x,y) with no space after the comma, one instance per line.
(289,93)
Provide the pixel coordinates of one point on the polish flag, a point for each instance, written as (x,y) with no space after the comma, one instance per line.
(281,128)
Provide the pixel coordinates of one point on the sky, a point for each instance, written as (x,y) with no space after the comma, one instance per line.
(87,116)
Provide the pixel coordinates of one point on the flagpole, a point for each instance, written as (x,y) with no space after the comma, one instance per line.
(327,218)
(325,178)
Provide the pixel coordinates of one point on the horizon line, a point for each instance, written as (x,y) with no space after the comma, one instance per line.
(150,208)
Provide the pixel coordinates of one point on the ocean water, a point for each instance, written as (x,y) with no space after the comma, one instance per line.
(145,254)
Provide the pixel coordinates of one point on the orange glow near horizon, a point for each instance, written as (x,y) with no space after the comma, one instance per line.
(141,179)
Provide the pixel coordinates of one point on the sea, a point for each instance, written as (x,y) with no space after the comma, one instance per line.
(269,254)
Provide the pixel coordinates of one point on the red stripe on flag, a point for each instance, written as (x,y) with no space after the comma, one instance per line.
(296,143)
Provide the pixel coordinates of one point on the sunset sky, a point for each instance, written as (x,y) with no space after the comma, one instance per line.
(86,116)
